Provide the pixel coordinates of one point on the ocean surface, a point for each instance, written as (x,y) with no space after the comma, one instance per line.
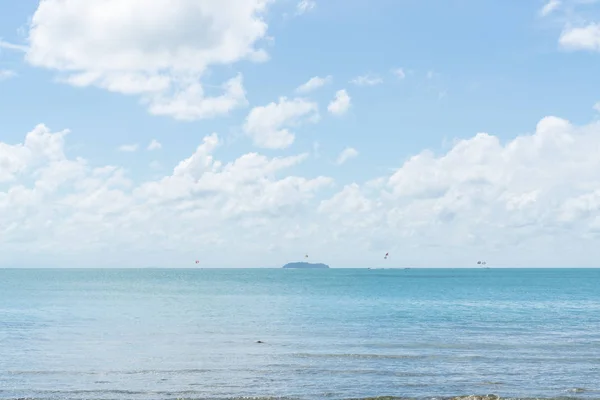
(328,334)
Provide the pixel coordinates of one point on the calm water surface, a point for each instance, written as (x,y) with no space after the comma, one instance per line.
(335,334)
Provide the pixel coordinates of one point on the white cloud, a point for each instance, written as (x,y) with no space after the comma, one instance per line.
(399,72)
(313,83)
(12,46)
(346,155)
(340,104)
(530,201)
(160,51)
(367,80)
(304,6)
(54,209)
(269,126)
(40,146)
(154,145)
(534,193)
(550,7)
(128,148)
(7,74)
(581,38)
(190,103)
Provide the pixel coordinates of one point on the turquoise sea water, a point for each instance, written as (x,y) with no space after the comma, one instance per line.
(335,334)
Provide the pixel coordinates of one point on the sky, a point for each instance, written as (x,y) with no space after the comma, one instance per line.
(250,133)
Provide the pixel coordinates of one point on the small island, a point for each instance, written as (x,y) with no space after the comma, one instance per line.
(305,265)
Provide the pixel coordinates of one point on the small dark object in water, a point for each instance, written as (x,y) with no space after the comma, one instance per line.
(259,341)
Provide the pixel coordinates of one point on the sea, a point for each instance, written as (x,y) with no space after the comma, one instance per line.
(299,334)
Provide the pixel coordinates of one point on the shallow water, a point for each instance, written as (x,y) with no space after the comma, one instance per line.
(336,334)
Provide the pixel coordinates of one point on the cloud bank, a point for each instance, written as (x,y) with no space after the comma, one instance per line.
(538,194)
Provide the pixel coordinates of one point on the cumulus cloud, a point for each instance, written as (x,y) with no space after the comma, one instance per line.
(534,194)
(340,104)
(346,155)
(269,126)
(40,147)
(159,52)
(154,145)
(581,38)
(530,201)
(56,208)
(367,80)
(128,148)
(313,83)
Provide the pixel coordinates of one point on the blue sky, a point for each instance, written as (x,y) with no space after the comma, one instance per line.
(467,67)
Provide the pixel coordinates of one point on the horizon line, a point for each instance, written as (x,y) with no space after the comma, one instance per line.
(371,268)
